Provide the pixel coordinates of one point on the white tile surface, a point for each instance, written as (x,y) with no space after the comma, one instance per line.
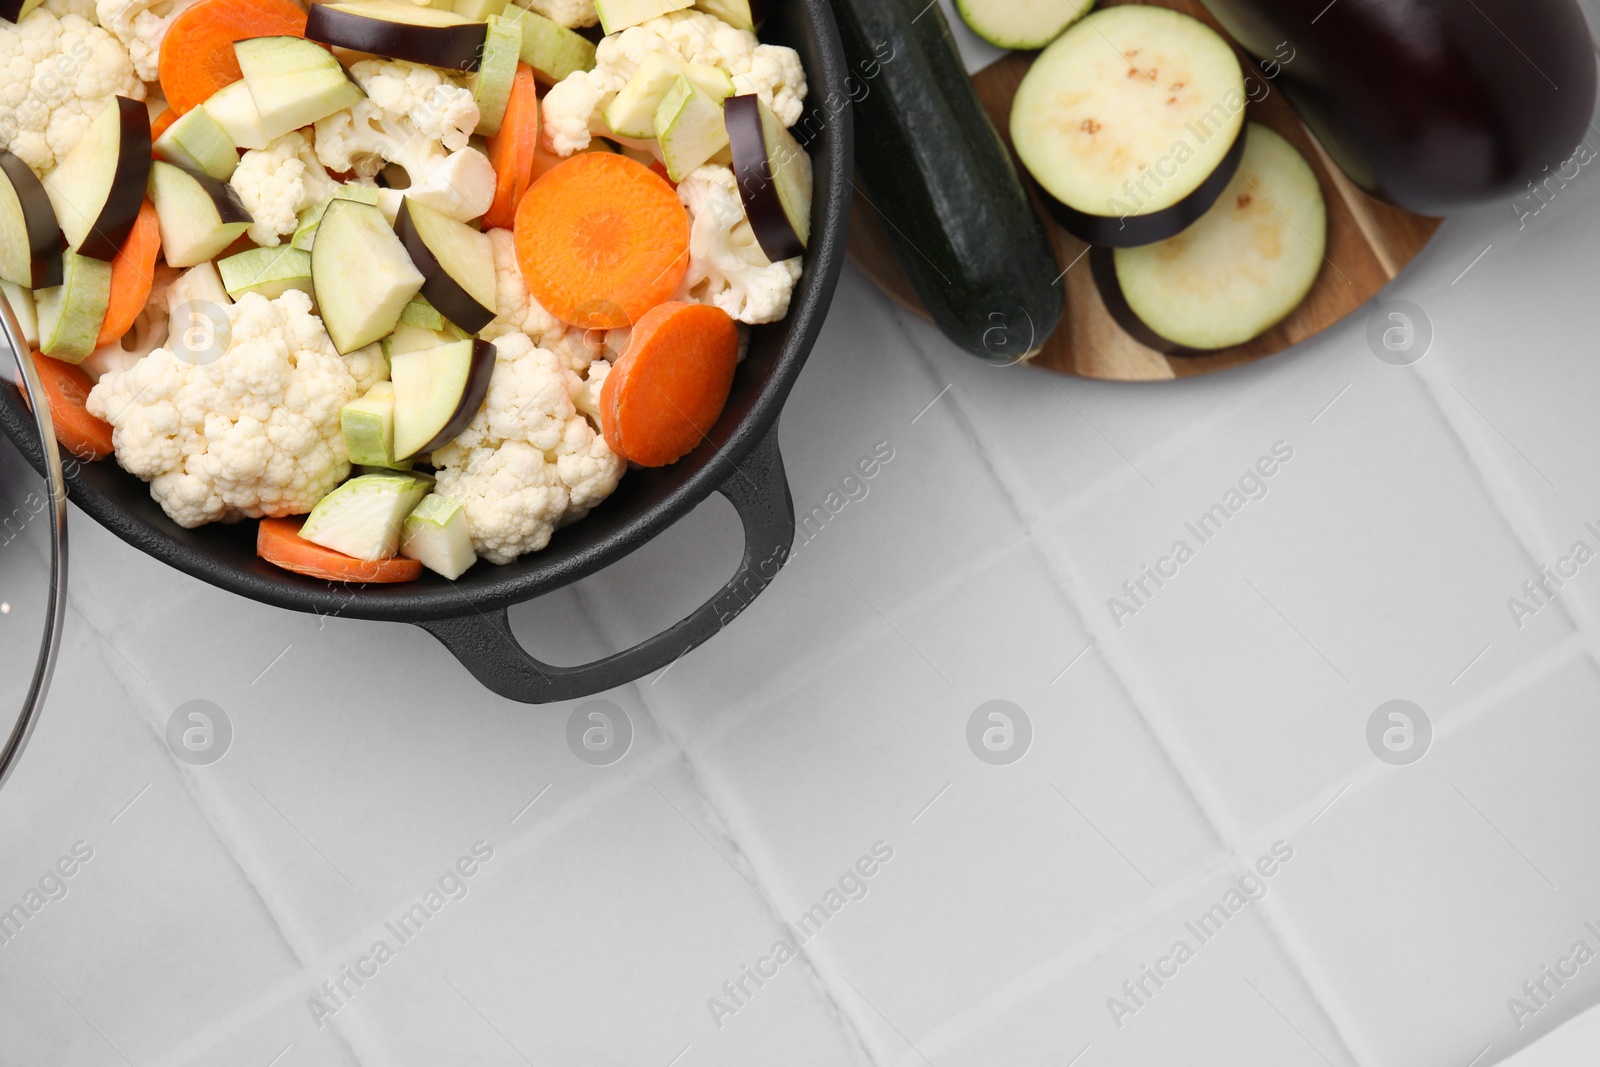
(1167,753)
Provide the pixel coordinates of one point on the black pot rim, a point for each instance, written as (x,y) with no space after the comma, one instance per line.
(218,554)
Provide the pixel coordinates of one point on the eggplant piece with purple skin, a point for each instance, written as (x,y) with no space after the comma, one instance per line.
(456,261)
(1431,105)
(399,30)
(98,187)
(30,238)
(774,175)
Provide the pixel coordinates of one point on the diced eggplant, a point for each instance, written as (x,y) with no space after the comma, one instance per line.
(775,180)
(16,10)
(477,10)
(437,391)
(361,274)
(1130,122)
(199,216)
(30,238)
(456,261)
(293,82)
(1238,271)
(400,30)
(98,188)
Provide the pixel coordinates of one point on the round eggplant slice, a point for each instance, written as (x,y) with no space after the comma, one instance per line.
(399,30)
(1131,231)
(456,261)
(30,238)
(774,174)
(1103,267)
(98,188)
(1238,271)
(1128,116)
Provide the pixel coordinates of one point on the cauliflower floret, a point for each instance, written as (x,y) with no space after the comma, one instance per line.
(569,13)
(530,462)
(57,70)
(276,183)
(140,25)
(148,332)
(420,119)
(573,107)
(254,432)
(726,265)
(368,366)
(517,312)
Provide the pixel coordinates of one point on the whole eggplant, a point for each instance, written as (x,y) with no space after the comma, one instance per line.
(1431,104)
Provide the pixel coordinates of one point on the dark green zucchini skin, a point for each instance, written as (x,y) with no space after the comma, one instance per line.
(936,169)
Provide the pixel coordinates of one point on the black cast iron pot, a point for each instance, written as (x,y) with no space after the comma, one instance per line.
(739,459)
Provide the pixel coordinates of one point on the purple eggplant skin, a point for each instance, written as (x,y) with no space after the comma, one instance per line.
(1433,105)
(447,295)
(128,183)
(457,48)
(45,242)
(753,167)
(481,373)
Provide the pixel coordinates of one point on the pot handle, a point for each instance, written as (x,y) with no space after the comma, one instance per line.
(758,490)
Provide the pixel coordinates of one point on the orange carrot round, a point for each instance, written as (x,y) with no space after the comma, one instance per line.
(159,124)
(601,240)
(278,541)
(197,52)
(66,387)
(513,150)
(132,273)
(667,390)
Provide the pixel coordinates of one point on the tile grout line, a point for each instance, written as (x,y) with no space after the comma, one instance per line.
(210,808)
(1149,707)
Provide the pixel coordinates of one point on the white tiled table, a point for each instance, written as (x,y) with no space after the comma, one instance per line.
(1168,754)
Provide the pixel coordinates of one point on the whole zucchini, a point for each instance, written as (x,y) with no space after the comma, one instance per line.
(960,221)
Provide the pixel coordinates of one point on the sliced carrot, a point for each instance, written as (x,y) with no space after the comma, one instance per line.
(133,271)
(159,124)
(197,52)
(667,390)
(278,541)
(513,150)
(67,388)
(601,240)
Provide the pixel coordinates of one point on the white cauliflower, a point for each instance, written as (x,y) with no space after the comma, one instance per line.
(253,432)
(569,13)
(277,182)
(517,312)
(573,107)
(420,119)
(726,265)
(140,25)
(530,462)
(57,70)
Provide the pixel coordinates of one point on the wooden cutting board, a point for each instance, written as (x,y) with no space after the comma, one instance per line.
(1369,243)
